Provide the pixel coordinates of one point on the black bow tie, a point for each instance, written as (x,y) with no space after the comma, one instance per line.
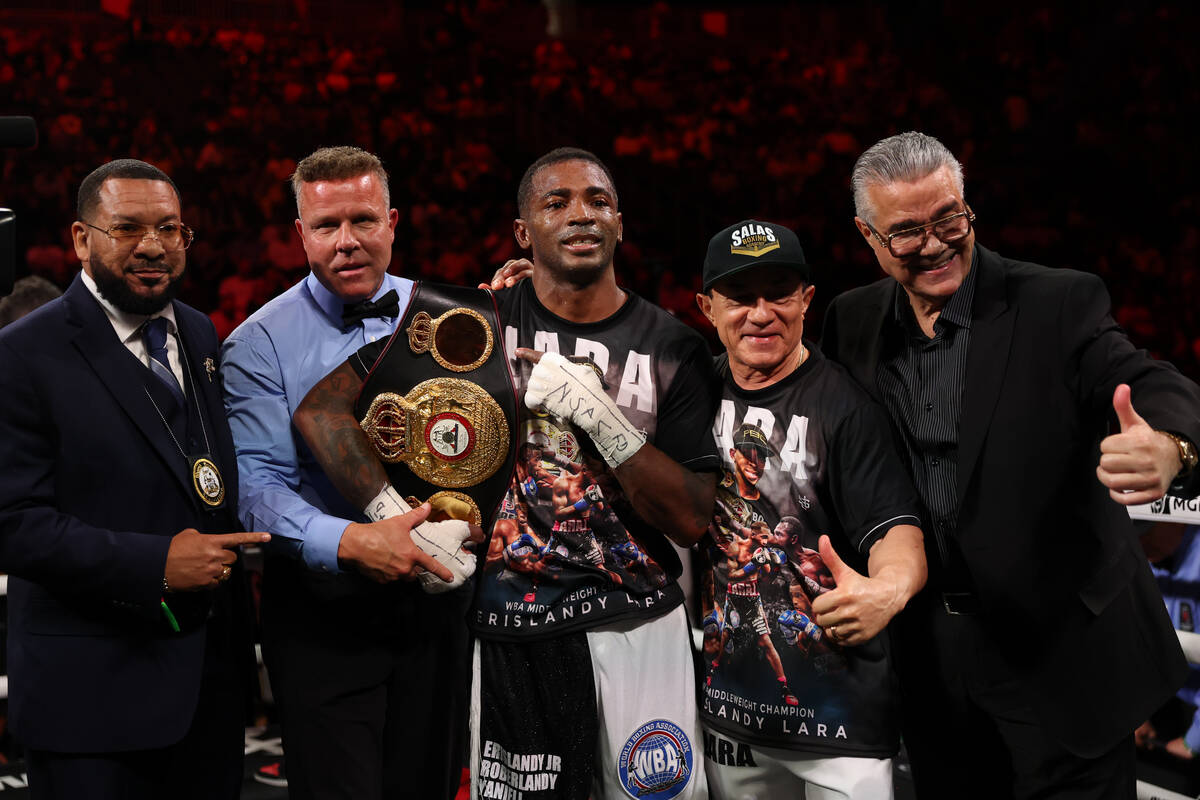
(386,306)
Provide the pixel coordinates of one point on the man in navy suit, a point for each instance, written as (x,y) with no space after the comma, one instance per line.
(128,651)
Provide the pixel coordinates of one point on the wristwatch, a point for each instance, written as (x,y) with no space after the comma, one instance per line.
(1187,454)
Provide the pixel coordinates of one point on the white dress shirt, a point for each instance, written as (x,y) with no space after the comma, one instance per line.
(129,329)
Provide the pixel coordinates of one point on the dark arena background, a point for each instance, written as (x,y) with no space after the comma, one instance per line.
(1072,121)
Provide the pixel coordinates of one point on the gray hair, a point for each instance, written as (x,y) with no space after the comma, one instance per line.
(903,157)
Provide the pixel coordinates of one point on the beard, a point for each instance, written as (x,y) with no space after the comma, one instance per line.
(112,287)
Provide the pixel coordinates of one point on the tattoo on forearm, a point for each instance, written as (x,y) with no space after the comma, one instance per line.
(326,420)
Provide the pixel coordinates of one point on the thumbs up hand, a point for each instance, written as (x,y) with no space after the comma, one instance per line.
(860,606)
(1139,463)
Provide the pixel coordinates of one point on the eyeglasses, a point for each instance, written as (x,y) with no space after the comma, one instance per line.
(170,235)
(912,240)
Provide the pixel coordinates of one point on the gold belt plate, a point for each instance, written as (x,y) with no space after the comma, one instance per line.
(448,431)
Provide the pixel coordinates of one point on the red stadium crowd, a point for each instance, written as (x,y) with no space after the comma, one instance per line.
(1070,152)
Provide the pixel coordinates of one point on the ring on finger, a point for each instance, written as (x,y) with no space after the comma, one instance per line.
(226,571)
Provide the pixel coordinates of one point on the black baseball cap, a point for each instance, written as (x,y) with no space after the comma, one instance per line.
(750,435)
(752,243)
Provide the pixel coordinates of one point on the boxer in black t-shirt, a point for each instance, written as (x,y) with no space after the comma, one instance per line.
(829,546)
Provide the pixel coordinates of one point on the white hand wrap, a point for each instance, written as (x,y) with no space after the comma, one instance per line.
(442,540)
(574,392)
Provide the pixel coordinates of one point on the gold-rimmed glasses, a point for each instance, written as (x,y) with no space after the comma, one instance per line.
(170,235)
(948,229)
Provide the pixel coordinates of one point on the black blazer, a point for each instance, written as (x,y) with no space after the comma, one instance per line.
(92,489)
(1067,593)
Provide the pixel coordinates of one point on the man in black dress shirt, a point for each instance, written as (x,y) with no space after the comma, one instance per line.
(1040,642)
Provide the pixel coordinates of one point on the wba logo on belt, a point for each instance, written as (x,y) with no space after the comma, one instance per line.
(450,432)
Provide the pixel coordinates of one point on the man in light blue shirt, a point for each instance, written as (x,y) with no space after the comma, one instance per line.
(370,673)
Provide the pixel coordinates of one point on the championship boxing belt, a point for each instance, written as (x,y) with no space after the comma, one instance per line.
(439,406)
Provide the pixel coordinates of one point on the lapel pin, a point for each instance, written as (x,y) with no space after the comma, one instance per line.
(210,367)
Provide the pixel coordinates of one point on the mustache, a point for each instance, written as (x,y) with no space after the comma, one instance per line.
(146,263)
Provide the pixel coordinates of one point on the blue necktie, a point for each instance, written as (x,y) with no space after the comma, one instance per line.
(155,333)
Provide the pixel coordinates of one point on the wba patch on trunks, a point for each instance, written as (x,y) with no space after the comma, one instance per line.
(657,761)
(537,719)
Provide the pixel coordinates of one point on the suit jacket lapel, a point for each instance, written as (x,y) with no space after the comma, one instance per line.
(124,378)
(992,321)
(200,347)
(195,373)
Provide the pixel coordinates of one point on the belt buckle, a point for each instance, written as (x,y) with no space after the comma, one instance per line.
(960,604)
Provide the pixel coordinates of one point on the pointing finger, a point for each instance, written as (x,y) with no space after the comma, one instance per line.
(231,540)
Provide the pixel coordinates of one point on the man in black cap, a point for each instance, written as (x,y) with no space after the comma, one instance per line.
(808,445)
(750,452)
